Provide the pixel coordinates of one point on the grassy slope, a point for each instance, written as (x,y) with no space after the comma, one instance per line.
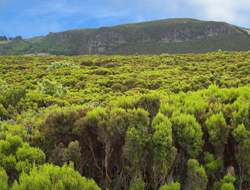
(248,31)
(4,42)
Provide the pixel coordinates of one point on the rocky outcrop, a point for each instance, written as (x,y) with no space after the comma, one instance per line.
(180,35)
(3,38)
(145,37)
(222,30)
(100,41)
(18,38)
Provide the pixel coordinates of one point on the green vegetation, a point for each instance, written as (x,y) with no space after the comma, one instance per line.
(50,88)
(174,121)
(62,64)
(53,177)
(155,37)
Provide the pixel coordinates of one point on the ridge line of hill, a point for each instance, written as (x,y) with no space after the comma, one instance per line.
(180,35)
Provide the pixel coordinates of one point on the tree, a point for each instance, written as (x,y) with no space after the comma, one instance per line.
(15,154)
(242,136)
(226,183)
(136,138)
(197,174)
(51,177)
(211,166)
(161,147)
(73,153)
(218,131)
(189,133)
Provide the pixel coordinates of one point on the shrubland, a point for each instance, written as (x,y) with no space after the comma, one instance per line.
(125,122)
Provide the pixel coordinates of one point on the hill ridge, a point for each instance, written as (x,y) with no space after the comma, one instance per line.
(175,35)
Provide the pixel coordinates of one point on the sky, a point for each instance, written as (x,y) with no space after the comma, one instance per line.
(31,18)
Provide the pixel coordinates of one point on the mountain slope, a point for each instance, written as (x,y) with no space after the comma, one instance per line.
(155,37)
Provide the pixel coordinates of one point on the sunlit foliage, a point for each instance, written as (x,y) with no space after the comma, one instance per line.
(155,122)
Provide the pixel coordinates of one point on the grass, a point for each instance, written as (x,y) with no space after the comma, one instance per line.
(4,42)
(248,30)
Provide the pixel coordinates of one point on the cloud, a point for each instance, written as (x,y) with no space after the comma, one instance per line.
(232,11)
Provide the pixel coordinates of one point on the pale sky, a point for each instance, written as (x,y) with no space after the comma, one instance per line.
(30,18)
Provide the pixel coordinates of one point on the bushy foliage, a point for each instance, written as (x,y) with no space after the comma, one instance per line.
(172,186)
(3,85)
(138,185)
(12,96)
(189,133)
(53,177)
(14,154)
(62,64)
(226,183)
(169,62)
(129,118)
(211,165)
(51,88)
(217,129)
(136,138)
(3,179)
(162,141)
(72,153)
(197,174)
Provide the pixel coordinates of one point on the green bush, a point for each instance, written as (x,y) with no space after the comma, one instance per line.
(72,153)
(172,186)
(14,154)
(217,129)
(51,88)
(3,179)
(162,141)
(138,185)
(3,85)
(12,96)
(226,183)
(189,133)
(197,174)
(62,64)
(169,62)
(52,177)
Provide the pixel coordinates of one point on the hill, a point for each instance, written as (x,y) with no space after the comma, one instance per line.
(155,37)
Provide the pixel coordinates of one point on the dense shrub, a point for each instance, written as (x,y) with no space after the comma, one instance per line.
(3,85)
(62,64)
(14,154)
(129,121)
(3,179)
(53,177)
(51,88)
